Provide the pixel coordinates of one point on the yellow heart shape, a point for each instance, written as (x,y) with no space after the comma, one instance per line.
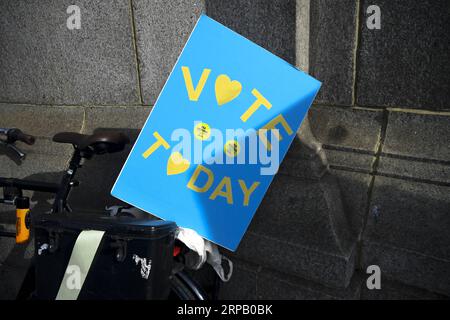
(177,164)
(226,90)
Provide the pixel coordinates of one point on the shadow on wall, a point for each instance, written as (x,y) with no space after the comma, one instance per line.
(97,177)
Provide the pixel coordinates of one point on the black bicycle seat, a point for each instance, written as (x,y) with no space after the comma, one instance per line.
(99,142)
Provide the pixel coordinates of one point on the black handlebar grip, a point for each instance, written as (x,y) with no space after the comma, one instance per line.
(17,134)
(28,139)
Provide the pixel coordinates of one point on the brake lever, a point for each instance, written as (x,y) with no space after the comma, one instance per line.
(21,154)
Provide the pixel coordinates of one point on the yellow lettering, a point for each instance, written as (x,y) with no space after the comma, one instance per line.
(260,100)
(194,94)
(271,125)
(198,170)
(226,182)
(159,142)
(247,192)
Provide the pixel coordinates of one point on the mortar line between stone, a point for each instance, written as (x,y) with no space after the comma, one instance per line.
(355,50)
(136,54)
(8,103)
(83,123)
(373,174)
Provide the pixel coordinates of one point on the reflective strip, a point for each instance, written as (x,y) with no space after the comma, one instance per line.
(83,254)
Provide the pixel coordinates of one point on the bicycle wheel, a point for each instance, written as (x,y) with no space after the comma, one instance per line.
(184,287)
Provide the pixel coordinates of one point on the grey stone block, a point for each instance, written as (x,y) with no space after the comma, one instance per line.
(269,23)
(41,121)
(272,285)
(301,229)
(418,135)
(127,118)
(408,267)
(308,213)
(36,165)
(392,290)
(242,284)
(347,140)
(354,187)
(351,128)
(162,28)
(331,46)
(349,160)
(415,169)
(350,137)
(306,157)
(326,268)
(405,63)
(44,62)
(407,233)
(302,168)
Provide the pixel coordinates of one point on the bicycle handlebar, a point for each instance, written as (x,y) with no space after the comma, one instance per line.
(29,185)
(15,134)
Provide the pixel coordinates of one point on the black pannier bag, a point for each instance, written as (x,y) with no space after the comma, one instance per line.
(133,259)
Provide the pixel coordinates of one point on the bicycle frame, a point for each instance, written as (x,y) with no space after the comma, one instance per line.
(182,285)
(13,188)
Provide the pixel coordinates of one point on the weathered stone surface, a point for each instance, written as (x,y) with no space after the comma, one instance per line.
(300,260)
(269,23)
(272,285)
(293,208)
(302,168)
(409,267)
(46,63)
(353,187)
(162,29)
(418,135)
(306,157)
(250,281)
(407,233)
(353,128)
(300,228)
(43,156)
(41,121)
(350,160)
(127,118)
(415,169)
(391,290)
(332,42)
(242,284)
(405,64)
(349,139)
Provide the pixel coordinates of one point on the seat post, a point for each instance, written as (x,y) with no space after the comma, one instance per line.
(67,183)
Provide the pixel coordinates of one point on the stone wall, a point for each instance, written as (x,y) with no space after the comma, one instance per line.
(373,189)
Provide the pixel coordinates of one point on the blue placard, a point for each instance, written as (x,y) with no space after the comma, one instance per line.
(213,141)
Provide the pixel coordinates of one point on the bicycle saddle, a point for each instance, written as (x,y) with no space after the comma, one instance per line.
(98,143)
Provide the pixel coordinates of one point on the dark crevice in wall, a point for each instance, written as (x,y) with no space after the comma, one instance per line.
(134,36)
(359,17)
(410,158)
(374,173)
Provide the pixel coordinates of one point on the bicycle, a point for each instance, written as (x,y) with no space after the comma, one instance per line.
(182,286)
